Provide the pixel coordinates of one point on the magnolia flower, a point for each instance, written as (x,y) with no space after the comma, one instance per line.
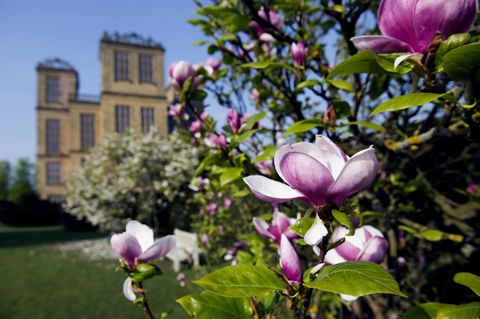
(212,208)
(214,140)
(233,251)
(204,239)
(316,173)
(265,167)
(136,244)
(315,234)
(235,120)
(299,53)
(196,125)
(227,202)
(212,66)
(255,96)
(411,25)
(472,188)
(273,17)
(179,72)
(368,244)
(329,117)
(181,278)
(280,226)
(176,110)
(289,261)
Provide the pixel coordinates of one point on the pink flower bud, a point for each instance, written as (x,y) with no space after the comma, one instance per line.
(181,278)
(227,202)
(204,239)
(176,110)
(289,261)
(214,140)
(179,72)
(273,17)
(299,53)
(280,226)
(234,120)
(212,208)
(472,188)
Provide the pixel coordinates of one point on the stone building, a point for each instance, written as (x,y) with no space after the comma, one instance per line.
(69,123)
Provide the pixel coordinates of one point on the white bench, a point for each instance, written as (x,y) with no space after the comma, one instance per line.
(186,248)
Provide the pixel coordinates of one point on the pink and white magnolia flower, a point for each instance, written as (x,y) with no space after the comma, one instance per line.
(227,202)
(280,226)
(136,244)
(368,244)
(212,66)
(299,53)
(212,208)
(317,173)
(214,140)
(235,120)
(176,110)
(265,167)
(411,25)
(472,188)
(314,235)
(179,72)
(255,96)
(289,261)
(273,17)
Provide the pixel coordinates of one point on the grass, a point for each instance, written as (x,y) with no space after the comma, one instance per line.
(39,281)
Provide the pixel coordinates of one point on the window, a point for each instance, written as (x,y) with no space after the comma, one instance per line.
(52,89)
(121,66)
(148,118)
(87,130)
(53,173)
(52,130)
(56,199)
(145,68)
(122,118)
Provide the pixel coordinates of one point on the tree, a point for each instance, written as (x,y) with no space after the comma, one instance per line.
(22,181)
(4,180)
(134,176)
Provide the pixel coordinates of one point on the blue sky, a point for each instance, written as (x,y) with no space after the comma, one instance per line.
(32,30)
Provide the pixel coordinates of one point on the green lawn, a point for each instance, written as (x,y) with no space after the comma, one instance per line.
(39,281)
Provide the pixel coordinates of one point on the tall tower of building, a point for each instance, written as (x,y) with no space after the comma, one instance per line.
(69,123)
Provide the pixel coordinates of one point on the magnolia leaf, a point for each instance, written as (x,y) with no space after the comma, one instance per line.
(470,280)
(268,153)
(208,161)
(467,311)
(407,101)
(344,220)
(258,65)
(230,174)
(302,225)
(453,41)
(427,310)
(369,62)
(244,136)
(252,120)
(356,278)
(303,126)
(241,281)
(460,62)
(432,235)
(208,305)
(307,84)
(370,125)
(344,85)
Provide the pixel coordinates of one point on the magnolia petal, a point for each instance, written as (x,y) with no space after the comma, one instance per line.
(396,19)
(359,172)
(375,250)
(127,247)
(315,234)
(307,175)
(380,44)
(127,289)
(446,17)
(332,156)
(142,233)
(339,233)
(348,298)
(371,231)
(270,190)
(289,261)
(262,227)
(160,248)
(267,37)
(348,251)
(333,258)
(316,250)
(281,221)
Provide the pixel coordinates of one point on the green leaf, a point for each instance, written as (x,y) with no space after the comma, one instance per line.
(370,125)
(407,101)
(369,62)
(302,225)
(427,310)
(344,220)
(241,281)
(453,41)
(230,174)
(467,311)
(200,42)
(257,65)
(470,280)
(303,126)
(208,161)
(307,84)
(356,278)
(244,136)
(208,305)
(268,153)
(251,120)
(459,63)
(432,234)
(343,85)
(339,8)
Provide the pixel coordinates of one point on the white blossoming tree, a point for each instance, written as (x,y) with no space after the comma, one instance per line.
(134,176)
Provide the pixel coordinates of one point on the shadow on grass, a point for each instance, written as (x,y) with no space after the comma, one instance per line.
(30,236)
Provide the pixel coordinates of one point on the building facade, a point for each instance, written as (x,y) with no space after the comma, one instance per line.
(70,123)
